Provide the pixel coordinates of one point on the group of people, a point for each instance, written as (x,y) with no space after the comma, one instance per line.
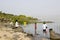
(45,28)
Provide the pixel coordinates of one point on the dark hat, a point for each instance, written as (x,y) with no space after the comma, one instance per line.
(44,22)
(50,29)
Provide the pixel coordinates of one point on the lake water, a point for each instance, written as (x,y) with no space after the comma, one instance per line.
(30,28)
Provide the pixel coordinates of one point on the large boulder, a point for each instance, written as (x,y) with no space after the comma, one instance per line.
(53,35)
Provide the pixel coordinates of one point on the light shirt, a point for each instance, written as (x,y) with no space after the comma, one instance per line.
(44,26)
(16,24)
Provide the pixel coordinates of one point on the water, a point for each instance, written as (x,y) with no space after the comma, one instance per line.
(30,28)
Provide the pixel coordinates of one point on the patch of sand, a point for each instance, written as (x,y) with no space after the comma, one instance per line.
(9,34)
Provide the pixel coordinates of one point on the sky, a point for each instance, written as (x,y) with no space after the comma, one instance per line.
(42,9)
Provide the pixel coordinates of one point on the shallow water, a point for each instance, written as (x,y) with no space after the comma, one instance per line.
(30,28)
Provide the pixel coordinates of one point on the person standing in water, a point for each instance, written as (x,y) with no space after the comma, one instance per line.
(44,27)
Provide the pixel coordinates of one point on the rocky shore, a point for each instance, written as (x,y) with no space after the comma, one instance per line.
(7,33)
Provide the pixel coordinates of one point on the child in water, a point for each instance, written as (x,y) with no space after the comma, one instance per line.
(44,28)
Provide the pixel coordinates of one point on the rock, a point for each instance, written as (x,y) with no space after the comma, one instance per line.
(30,35)
(53,35)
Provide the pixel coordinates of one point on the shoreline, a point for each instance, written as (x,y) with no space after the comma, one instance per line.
(7,33)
